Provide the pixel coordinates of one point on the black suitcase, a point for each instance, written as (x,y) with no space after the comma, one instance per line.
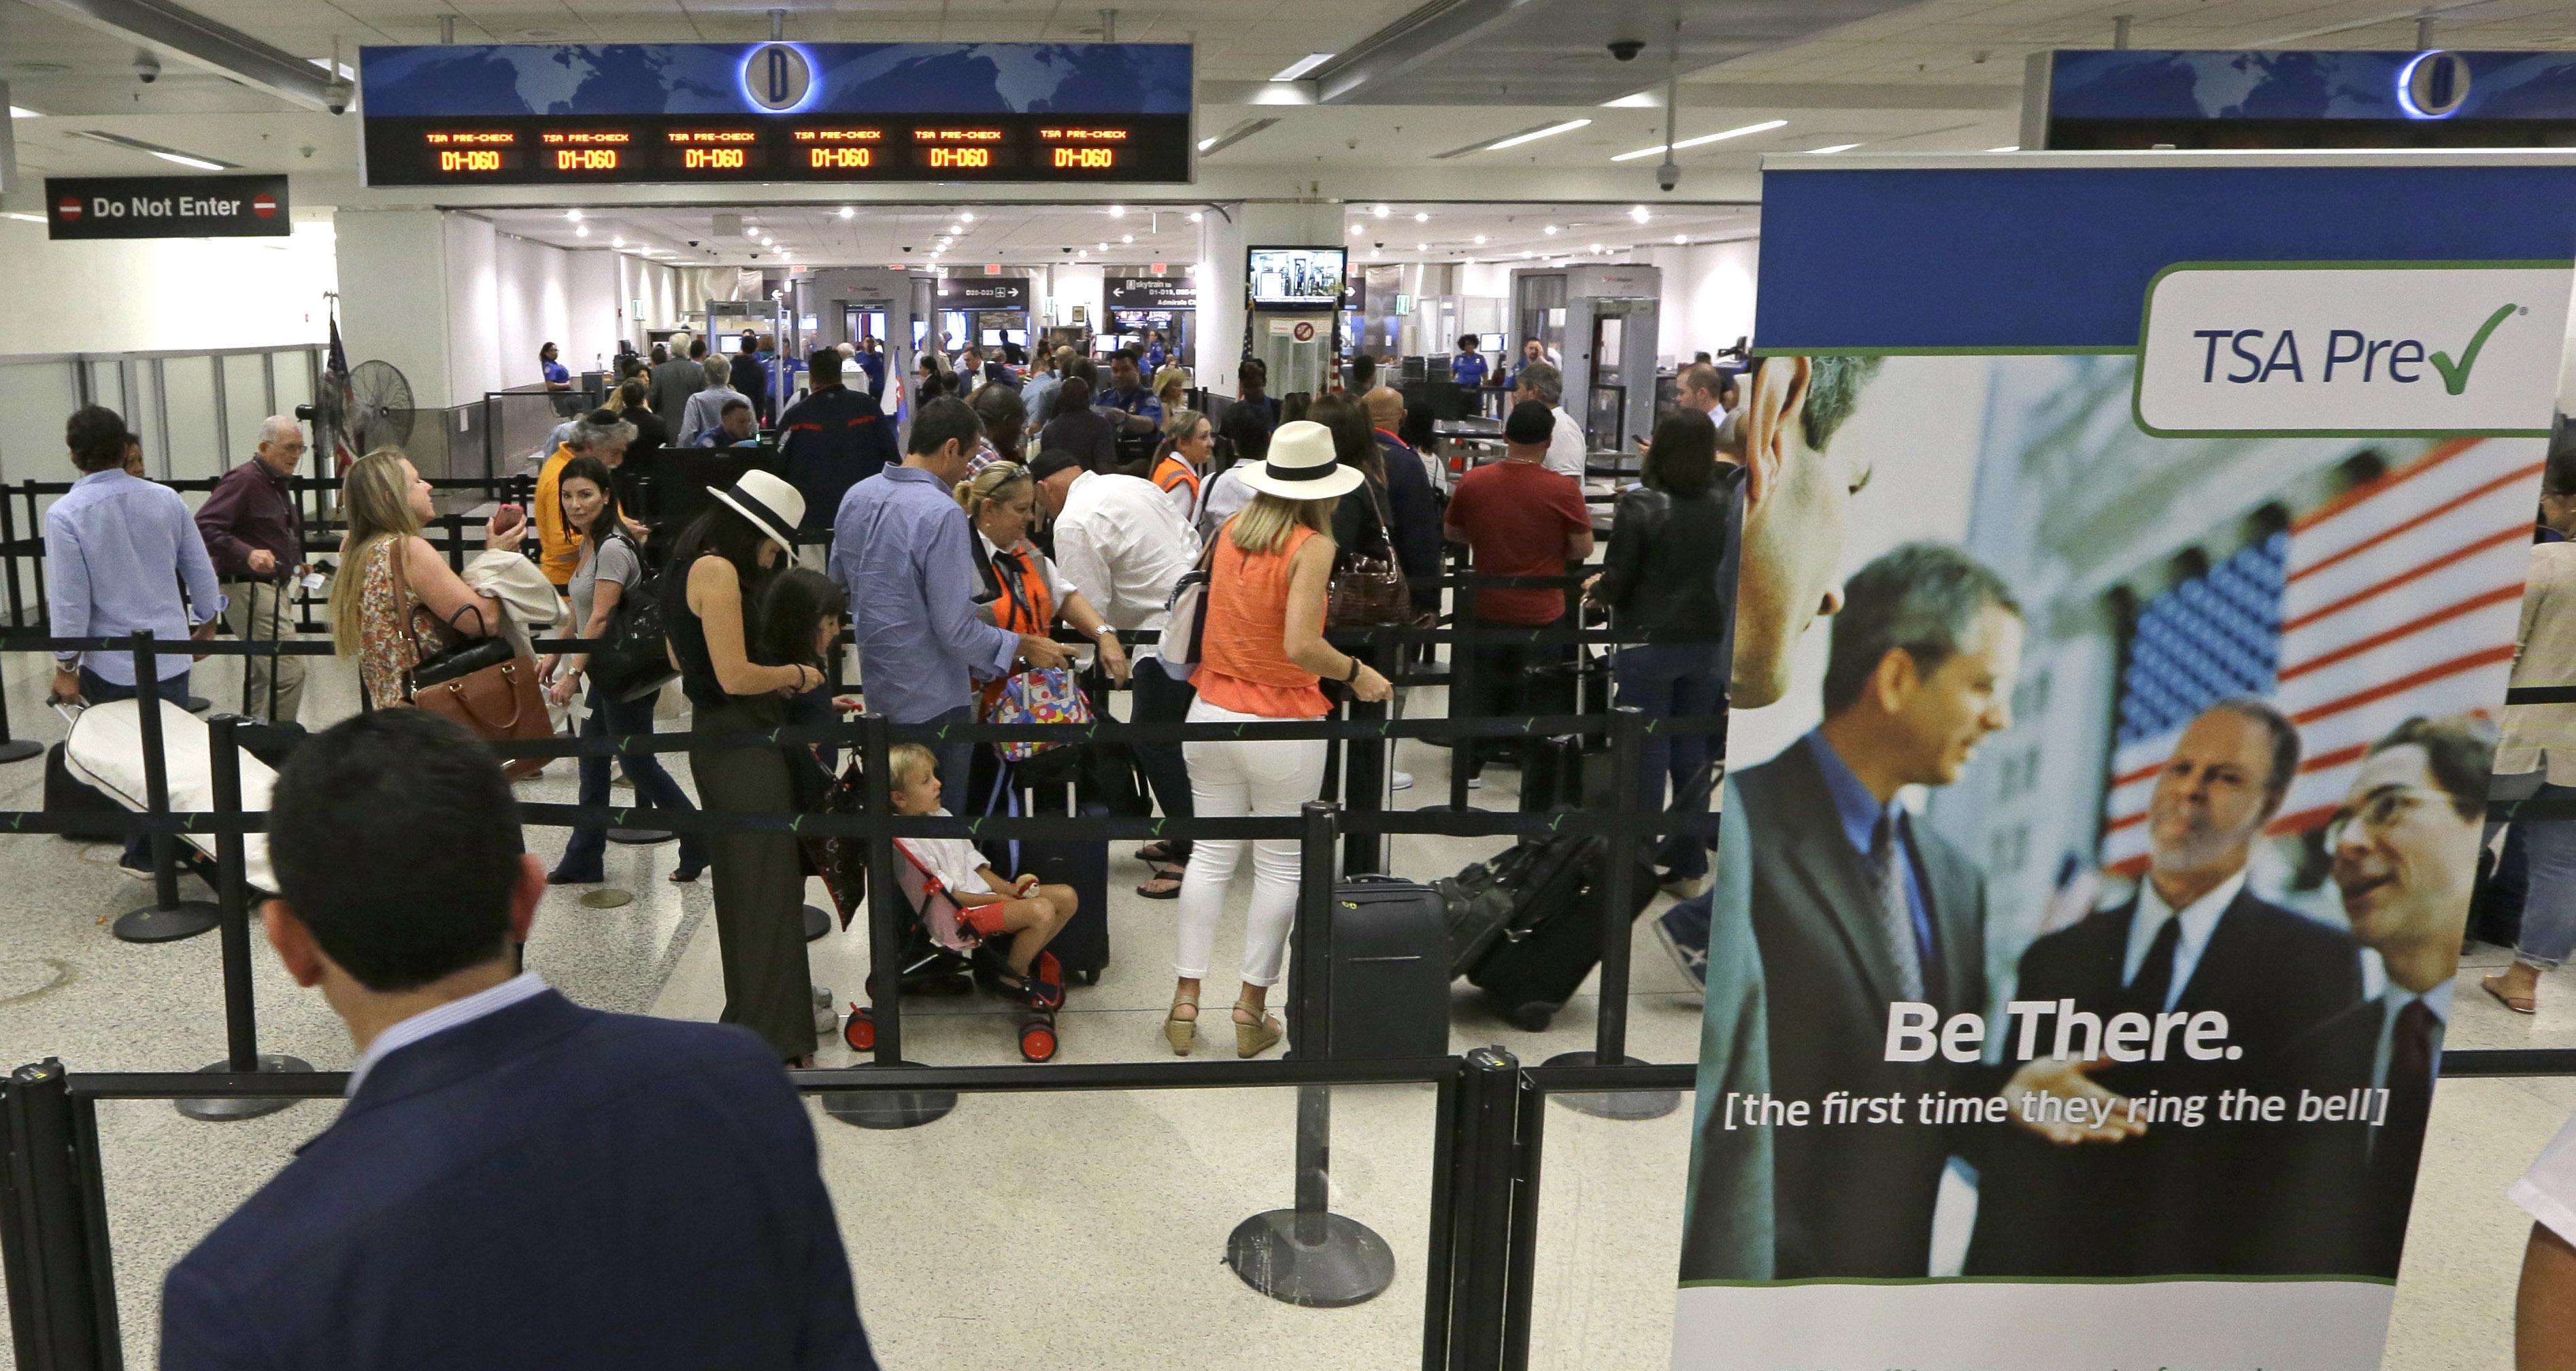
(1083,947)
(1571,772)
(1554,939)
(1389,995)
(66,798)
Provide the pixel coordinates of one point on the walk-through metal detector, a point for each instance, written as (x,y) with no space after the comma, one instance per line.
(1603,320)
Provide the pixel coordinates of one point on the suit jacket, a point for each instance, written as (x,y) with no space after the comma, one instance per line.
(2338,1193)
(1850,1201)
(1726,1221)
(673,382)
(2168,1203)
(544,1187)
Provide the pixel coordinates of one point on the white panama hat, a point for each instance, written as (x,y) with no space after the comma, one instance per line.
(1301,465)
(773,506)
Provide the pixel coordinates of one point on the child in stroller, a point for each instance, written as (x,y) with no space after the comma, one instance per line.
(988,902)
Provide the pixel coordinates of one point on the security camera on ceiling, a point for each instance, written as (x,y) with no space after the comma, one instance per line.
(147,66)
(1669,174)
(1626,49)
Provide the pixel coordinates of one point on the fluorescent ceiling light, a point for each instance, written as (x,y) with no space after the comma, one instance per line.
(1644,99)
(344,71)
(1659,148)
(2008,147)
(954,230)
(1234,135)
(22,112)
(185,160)
(1302,65)
(1838,147)
(22,218)
(1533,135)
(1206,143)
(167,154)
(1104,247)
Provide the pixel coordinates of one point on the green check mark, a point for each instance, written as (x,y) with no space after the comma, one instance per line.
(2455,375)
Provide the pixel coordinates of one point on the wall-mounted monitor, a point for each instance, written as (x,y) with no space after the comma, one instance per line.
(1296,278)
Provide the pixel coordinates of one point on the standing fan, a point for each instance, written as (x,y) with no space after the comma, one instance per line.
(380,409)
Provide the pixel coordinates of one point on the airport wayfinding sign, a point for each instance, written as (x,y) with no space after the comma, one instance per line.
(2351,349)
(166,207)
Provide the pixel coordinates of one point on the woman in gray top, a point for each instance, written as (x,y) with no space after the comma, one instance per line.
(611,573)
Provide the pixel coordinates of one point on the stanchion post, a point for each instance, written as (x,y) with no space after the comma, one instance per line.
(1480,1254)
(241,1022)
(12,748)
(1618,886)
(1307,1254)
(1440,1259)
(1529,1132)
(1364,852)
(1463,668)
(59,1314)
(167,918)
(876,1108)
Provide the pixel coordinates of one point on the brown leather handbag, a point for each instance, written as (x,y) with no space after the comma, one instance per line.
(1369,592)
(479,683)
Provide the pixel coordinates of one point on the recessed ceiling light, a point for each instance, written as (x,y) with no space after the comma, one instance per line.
(617,242)
(1838,147)
(1196,216)
(1681,237)
(1117,211)
(1302,65)
(849,212)
(1480,240)
(1104,247)
(1380,211)
(573,214)
(1596,247)
(1551,228)
(1082,252)
(581,230)
(1126,237)
(1764,126)
(1355,230)
(1533,135)
(1640,213)
(966,216)
(1373,254)
(1421,217)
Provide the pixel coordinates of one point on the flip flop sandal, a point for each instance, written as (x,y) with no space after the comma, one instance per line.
(1155,854)
(1172,875)
(2517,1003)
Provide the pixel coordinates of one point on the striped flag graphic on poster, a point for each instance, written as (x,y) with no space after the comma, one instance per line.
(2397,598)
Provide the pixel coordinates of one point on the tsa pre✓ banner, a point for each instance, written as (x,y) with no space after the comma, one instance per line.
(2132,565)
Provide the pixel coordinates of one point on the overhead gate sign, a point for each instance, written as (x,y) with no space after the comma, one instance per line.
(166,207)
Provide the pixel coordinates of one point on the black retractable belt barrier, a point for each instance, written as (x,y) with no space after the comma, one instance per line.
(168,918)
(1520,1288)
(1309,1255)
(12,749)
(886,915)
(1482,1164)
(1463,672)
(62,1311)
(241,1025)
(1620,857)
(1365,768)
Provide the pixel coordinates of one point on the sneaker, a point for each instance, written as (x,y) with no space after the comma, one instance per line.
(1686,887)
(826,1018)
(140,873)
(1688,946)
(1475,783)
(1403,780)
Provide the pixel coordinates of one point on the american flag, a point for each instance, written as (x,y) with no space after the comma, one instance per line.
(335,374)
(2399,597)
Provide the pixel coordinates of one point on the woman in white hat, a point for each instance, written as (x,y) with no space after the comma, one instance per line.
(729,553)
(1262,658)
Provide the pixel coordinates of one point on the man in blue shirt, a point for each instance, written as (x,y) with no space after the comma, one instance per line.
(1127,390)
(903,551)
(503,1187)
(116,549)
(832,439)
(1468,367)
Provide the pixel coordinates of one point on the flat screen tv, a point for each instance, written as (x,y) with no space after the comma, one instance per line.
(1296,278)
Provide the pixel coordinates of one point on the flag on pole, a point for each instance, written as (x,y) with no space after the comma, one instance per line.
(340,400)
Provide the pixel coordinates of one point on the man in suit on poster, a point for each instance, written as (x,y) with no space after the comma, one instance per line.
(1796,487)
(2192,938)
(1858,906)
(2405,849)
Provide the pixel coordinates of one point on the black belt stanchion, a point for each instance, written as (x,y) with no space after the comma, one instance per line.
(818,920)
(1463,671)
(878,1108)
(52,1227)
(1520,1285)
(241,1024)
(1618,896)
(12,748)
(1309,1255)
(1364,853)
(168,918)
(1480,1235)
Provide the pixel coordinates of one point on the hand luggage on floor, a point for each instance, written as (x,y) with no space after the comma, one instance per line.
(1554,938)
(1564,773)
(1083,946)
(70,798)
(1389,995)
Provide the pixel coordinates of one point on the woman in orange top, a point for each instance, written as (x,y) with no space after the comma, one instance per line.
(1261,658)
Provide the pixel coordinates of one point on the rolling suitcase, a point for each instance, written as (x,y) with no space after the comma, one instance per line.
(1083,947)
(1390,979)
(67,798)
(1554,939)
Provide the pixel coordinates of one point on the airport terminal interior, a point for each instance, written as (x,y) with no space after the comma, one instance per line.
(454,255)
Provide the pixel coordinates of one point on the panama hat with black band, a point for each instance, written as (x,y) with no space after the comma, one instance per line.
(1301,465)
(773,506)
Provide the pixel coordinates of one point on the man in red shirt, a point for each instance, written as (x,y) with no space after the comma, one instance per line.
(1518,519)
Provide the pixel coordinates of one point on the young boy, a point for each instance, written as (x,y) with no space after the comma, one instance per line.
(986,902)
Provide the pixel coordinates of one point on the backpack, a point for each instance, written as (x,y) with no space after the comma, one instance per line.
(637,660)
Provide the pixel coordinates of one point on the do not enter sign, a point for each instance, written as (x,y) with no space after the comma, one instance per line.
(1305,332)
(167,207)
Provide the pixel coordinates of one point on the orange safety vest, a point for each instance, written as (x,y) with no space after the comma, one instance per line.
(1176,472)
(1024,606)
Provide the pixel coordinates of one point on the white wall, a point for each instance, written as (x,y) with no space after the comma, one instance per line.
(473,306)
(393,306)
(161,294)
(1708,296)
(1076,283)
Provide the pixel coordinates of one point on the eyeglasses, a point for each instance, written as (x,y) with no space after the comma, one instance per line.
(2378,810)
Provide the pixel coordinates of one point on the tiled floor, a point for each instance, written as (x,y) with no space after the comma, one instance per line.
(1115,1209)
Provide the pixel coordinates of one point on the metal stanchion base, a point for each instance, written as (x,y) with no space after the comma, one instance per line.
(641,837)
(186,919)
(227,1111)
(199,704)
(606,897)
(1348,1264)
(1446,808)
(818,922)
(889,1109)
(1627,1105)
(20,750)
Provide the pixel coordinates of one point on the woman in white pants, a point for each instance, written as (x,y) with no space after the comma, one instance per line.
(1261,659)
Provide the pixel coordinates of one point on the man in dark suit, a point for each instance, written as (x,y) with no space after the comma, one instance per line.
(515,1181)
(674,381)
(1795,489)
(833,439)
(2405,848)
(2192,938)
(1858,907)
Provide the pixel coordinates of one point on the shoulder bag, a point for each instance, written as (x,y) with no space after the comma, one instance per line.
(1369,592)
(637,661)
(480,683)
(1185,631)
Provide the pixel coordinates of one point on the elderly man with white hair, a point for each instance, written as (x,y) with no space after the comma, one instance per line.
(255,535)
(705,410)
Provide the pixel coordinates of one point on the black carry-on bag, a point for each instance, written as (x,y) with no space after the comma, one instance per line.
(1082,948)
(1554,938)
(1390,975)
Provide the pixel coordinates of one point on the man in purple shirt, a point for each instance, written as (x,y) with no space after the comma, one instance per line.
(902,550)
(255,535)
(116,549)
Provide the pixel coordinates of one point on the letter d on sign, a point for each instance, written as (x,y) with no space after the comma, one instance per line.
(1909,1031)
